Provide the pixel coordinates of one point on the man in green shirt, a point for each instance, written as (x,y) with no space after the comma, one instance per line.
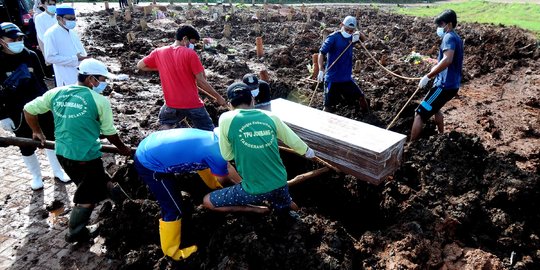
(80,114)
(250,137)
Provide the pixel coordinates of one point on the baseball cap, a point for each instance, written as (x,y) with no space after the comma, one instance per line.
(349,22)
(10,30)
(251,81)
(92,66)
(238,90)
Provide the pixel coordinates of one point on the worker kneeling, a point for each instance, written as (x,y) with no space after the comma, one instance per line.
(164,153)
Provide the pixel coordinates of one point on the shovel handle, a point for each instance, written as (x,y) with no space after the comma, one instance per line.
(18,141)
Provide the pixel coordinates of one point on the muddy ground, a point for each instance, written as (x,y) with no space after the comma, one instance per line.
(467,199)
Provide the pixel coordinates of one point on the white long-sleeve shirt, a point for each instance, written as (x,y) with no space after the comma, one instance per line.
(61,49)
(43,22)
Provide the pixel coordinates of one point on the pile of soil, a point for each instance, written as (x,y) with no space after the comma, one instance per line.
(453,203)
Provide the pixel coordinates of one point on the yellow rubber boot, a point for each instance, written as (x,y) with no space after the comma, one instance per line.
(209,179)
(169,236)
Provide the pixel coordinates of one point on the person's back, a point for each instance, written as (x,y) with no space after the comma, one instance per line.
(250,137)
(199,149)
(253,135)
(80,115)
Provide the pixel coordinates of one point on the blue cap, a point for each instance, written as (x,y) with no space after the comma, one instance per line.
(65,9)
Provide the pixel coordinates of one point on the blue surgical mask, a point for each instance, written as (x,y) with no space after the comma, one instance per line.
(99,89)
(191,46)
(70,24)
(255,92)
(440,31)
(345,34)
(51,9)
(16,47)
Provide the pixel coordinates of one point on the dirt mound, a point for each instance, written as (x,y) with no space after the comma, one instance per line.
(453,203)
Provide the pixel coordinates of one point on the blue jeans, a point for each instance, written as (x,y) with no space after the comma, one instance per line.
(199,116)
(165,189)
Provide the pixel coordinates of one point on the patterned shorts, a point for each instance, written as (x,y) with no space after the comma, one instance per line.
(278,199)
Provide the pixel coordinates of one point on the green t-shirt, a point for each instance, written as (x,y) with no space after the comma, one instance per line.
(250,137)
(80,115)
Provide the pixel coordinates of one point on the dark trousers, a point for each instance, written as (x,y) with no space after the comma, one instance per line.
(90,178)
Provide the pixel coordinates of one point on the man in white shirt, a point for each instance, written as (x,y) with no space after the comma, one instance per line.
(63,47)
(45,20)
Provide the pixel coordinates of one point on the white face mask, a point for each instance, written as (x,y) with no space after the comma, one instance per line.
(440,31)
(344,33)
(16,47)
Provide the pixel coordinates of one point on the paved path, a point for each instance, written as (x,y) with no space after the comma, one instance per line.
(30,236)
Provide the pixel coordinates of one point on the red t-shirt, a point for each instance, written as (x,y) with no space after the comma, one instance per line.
(177,68)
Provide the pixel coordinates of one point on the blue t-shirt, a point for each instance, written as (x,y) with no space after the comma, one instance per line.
(450,78)
(181,150)
(334,44)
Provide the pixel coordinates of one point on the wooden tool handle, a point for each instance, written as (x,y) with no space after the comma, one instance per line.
(18,141)
(305,176)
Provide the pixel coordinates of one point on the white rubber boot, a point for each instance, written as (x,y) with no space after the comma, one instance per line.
(32,163)
(58,172)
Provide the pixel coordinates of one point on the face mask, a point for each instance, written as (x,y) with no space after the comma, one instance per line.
(16,47)
(51,9)
(70,24)
(191,46)
(255,92)
(345,34)
(101,86)
(440,31)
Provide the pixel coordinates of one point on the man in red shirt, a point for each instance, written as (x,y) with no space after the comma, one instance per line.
(181,73)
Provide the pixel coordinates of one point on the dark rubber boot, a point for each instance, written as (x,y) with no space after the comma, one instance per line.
(78,220)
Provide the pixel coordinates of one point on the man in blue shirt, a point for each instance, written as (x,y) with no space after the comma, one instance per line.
(183,150)
(338,81)
(447,74)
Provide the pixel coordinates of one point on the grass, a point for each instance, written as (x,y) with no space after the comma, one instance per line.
(524,15)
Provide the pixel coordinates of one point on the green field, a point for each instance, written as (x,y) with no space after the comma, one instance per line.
(526,16)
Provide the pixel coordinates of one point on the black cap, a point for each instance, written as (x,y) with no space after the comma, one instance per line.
(238,90)
(251,81)
(10,30)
